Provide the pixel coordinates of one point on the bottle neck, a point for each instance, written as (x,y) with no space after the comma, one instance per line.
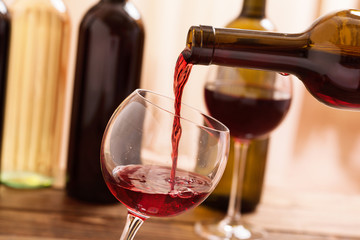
(246,48)
(253,9)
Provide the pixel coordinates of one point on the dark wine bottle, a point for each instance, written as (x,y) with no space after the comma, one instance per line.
(326,57)
(252,16)
(4,52)
(108,67)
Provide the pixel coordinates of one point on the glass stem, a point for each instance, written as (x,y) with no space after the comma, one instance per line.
(234,210)
(133,223)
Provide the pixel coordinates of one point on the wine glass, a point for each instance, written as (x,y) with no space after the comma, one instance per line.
(138,162)
(251,104)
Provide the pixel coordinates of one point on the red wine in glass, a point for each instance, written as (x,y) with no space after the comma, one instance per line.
(160,191)
(251,110)
(247,116)
(145,175)
(146,189)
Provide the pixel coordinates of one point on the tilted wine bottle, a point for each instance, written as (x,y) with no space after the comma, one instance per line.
(252,16)
(108,67)
(326,57)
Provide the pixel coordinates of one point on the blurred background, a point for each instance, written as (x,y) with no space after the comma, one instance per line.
(315,149)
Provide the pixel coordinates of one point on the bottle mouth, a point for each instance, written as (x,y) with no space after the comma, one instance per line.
(201,42)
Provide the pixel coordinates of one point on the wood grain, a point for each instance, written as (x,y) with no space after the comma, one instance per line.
(48,214)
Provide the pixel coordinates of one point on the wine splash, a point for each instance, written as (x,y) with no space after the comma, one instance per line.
(181,75)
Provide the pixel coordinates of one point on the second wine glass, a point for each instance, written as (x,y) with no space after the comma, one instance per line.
(251,109)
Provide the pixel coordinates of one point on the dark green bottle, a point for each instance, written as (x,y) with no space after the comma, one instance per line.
(252,16)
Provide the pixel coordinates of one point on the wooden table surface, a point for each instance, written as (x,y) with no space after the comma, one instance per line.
(48,214)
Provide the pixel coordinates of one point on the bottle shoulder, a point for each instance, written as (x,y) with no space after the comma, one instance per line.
(337,32)
(3,9)
(113,15)
(252,23)
(56,7)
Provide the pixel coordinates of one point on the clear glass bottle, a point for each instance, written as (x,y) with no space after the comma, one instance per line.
(326,57)
(35,93)
(108,67)
(252,16)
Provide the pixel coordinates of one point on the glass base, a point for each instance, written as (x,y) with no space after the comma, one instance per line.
(215,230)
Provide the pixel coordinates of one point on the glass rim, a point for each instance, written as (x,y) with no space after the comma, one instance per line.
(223,126)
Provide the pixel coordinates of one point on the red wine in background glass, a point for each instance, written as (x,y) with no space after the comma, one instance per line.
(146,189)
(247,116)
